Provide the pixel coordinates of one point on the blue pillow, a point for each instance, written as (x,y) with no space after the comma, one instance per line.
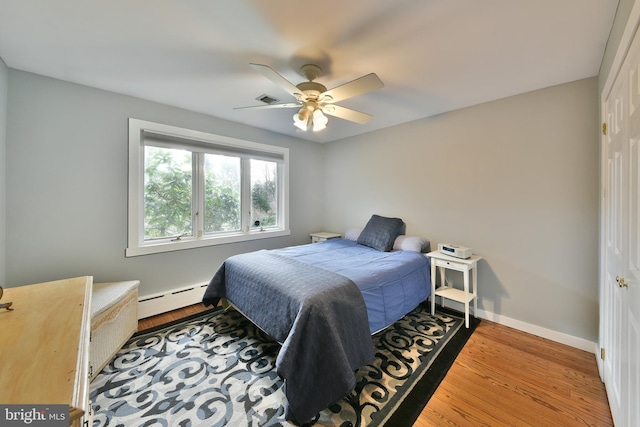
(380,233)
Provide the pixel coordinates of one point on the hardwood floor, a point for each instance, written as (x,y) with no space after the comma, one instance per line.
(170,316)
(504,377)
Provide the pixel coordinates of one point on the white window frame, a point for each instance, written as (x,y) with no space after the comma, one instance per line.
(136,245)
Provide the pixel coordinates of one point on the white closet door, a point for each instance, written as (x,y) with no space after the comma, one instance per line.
(613,303)
(620,282)
(630,276)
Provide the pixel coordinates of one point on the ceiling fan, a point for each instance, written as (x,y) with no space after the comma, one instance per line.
(314,100)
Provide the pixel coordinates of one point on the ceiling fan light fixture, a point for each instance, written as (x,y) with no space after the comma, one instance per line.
(319,120)
(301,119)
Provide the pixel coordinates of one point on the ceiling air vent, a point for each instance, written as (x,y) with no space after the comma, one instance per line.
(267,99)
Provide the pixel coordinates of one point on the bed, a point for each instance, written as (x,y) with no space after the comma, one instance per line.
(323,301)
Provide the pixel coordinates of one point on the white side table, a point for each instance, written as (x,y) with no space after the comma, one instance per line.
(321,236)
(466,295)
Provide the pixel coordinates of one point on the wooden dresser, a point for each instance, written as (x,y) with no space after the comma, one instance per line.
(44,346)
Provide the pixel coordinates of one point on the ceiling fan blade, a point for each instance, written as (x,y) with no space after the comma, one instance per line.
(346,113)
(356,87)
(276,78)
(287,105)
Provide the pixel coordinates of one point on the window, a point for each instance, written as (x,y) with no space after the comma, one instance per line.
(189,189)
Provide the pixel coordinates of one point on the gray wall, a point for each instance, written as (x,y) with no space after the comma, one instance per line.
(67,193)
(514,179)
(3,177)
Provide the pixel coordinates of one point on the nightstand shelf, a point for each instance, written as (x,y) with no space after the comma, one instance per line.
(454,294)
(470,289)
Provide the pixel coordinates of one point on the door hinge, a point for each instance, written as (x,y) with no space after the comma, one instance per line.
(602,353)
(604,128)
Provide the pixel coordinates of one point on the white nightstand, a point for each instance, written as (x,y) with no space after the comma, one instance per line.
(321,236)
(466,295)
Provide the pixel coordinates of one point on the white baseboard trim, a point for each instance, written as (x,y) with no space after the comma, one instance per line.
(151,305)
(560,337)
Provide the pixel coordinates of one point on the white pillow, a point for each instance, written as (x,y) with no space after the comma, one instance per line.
(353,234)
(411,243)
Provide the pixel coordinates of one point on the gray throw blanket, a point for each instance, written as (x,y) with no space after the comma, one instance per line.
(319,316)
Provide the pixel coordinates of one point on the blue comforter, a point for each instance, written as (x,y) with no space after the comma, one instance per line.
(319,317)
(392,283)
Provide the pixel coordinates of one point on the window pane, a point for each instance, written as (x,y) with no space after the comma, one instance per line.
(222,193)
(167,192)
(264,194)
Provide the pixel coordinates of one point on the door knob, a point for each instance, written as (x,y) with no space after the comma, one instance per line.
(621,282)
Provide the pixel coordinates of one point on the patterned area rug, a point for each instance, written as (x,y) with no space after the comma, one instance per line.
(218,369)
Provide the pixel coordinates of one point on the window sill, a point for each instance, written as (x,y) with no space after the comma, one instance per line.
(165,246)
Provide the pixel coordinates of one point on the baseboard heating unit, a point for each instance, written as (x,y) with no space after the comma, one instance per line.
(151,305)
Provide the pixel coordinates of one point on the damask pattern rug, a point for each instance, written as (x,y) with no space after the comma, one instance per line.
(218,369)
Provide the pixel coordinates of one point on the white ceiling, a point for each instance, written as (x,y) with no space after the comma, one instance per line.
(433,55)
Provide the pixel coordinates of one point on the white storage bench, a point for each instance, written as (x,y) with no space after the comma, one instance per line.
(114,319)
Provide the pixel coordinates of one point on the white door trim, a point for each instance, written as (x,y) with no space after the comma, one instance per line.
(623,47)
